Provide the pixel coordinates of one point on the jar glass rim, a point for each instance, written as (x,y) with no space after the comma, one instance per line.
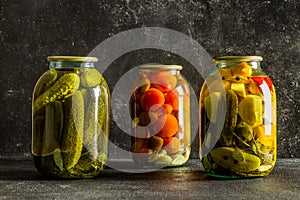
(72,58)
(237,58)
(161,67)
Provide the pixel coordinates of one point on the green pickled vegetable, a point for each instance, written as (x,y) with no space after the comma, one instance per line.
(64,87)
(231,117)
(90,134)
(58,120)
(46,139)
(207,164)
(96,120)
(244,131)
(211,104)
(71,144)
(47,79)
(85,95)
(91,78)
(38,133)
(103,118)
(53,128)
(48,129)
(49,142)
(236,160)
(87,167)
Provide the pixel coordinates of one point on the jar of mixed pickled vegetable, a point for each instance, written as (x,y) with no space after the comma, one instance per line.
(238,119)
(70,116)
(160,113)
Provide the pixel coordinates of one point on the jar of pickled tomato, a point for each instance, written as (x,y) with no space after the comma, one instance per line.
(70,119)
(160,114)
(238,119)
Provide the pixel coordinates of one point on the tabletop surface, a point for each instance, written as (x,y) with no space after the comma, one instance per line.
(20,180)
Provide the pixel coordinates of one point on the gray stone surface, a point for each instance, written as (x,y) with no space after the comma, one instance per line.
(19,180)
(31,30)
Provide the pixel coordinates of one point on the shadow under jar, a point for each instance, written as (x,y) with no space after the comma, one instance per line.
(238,119)
(160,113)
(70,119)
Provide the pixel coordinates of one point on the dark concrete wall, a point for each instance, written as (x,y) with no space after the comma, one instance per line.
(31,30)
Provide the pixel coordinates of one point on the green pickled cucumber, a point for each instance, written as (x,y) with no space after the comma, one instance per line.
(65,86)
(58,124)
(47,79)
(207,164)
(231,117)
(58,120)
(244,131)
(46,139)
(49,142)
(71,144)
(91,78)
(85,95)
(47,129)
(90,134)
(37,135)
(104,111)
(53,127)
(44,83)
(96,120)
(238,161)
(103,118)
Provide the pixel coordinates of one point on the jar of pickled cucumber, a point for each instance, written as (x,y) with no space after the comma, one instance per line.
(160,114)
(70,119)
(238,119)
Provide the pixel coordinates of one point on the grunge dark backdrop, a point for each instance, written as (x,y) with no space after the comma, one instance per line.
(31,30)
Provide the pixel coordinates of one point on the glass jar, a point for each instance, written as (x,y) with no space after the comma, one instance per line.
(238,119)
(160,113)
(70,116)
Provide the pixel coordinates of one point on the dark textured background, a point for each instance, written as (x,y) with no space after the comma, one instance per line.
(31,30)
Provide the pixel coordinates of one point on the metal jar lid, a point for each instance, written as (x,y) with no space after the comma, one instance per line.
(160,67)
(237,58)
(72,59)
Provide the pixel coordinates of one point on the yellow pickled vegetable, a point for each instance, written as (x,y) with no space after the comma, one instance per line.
(242,69)
(211,105)
(239,89)
(216,85)
(251,110)
(253,89)
(226,84)
(260,134)
(225,72)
